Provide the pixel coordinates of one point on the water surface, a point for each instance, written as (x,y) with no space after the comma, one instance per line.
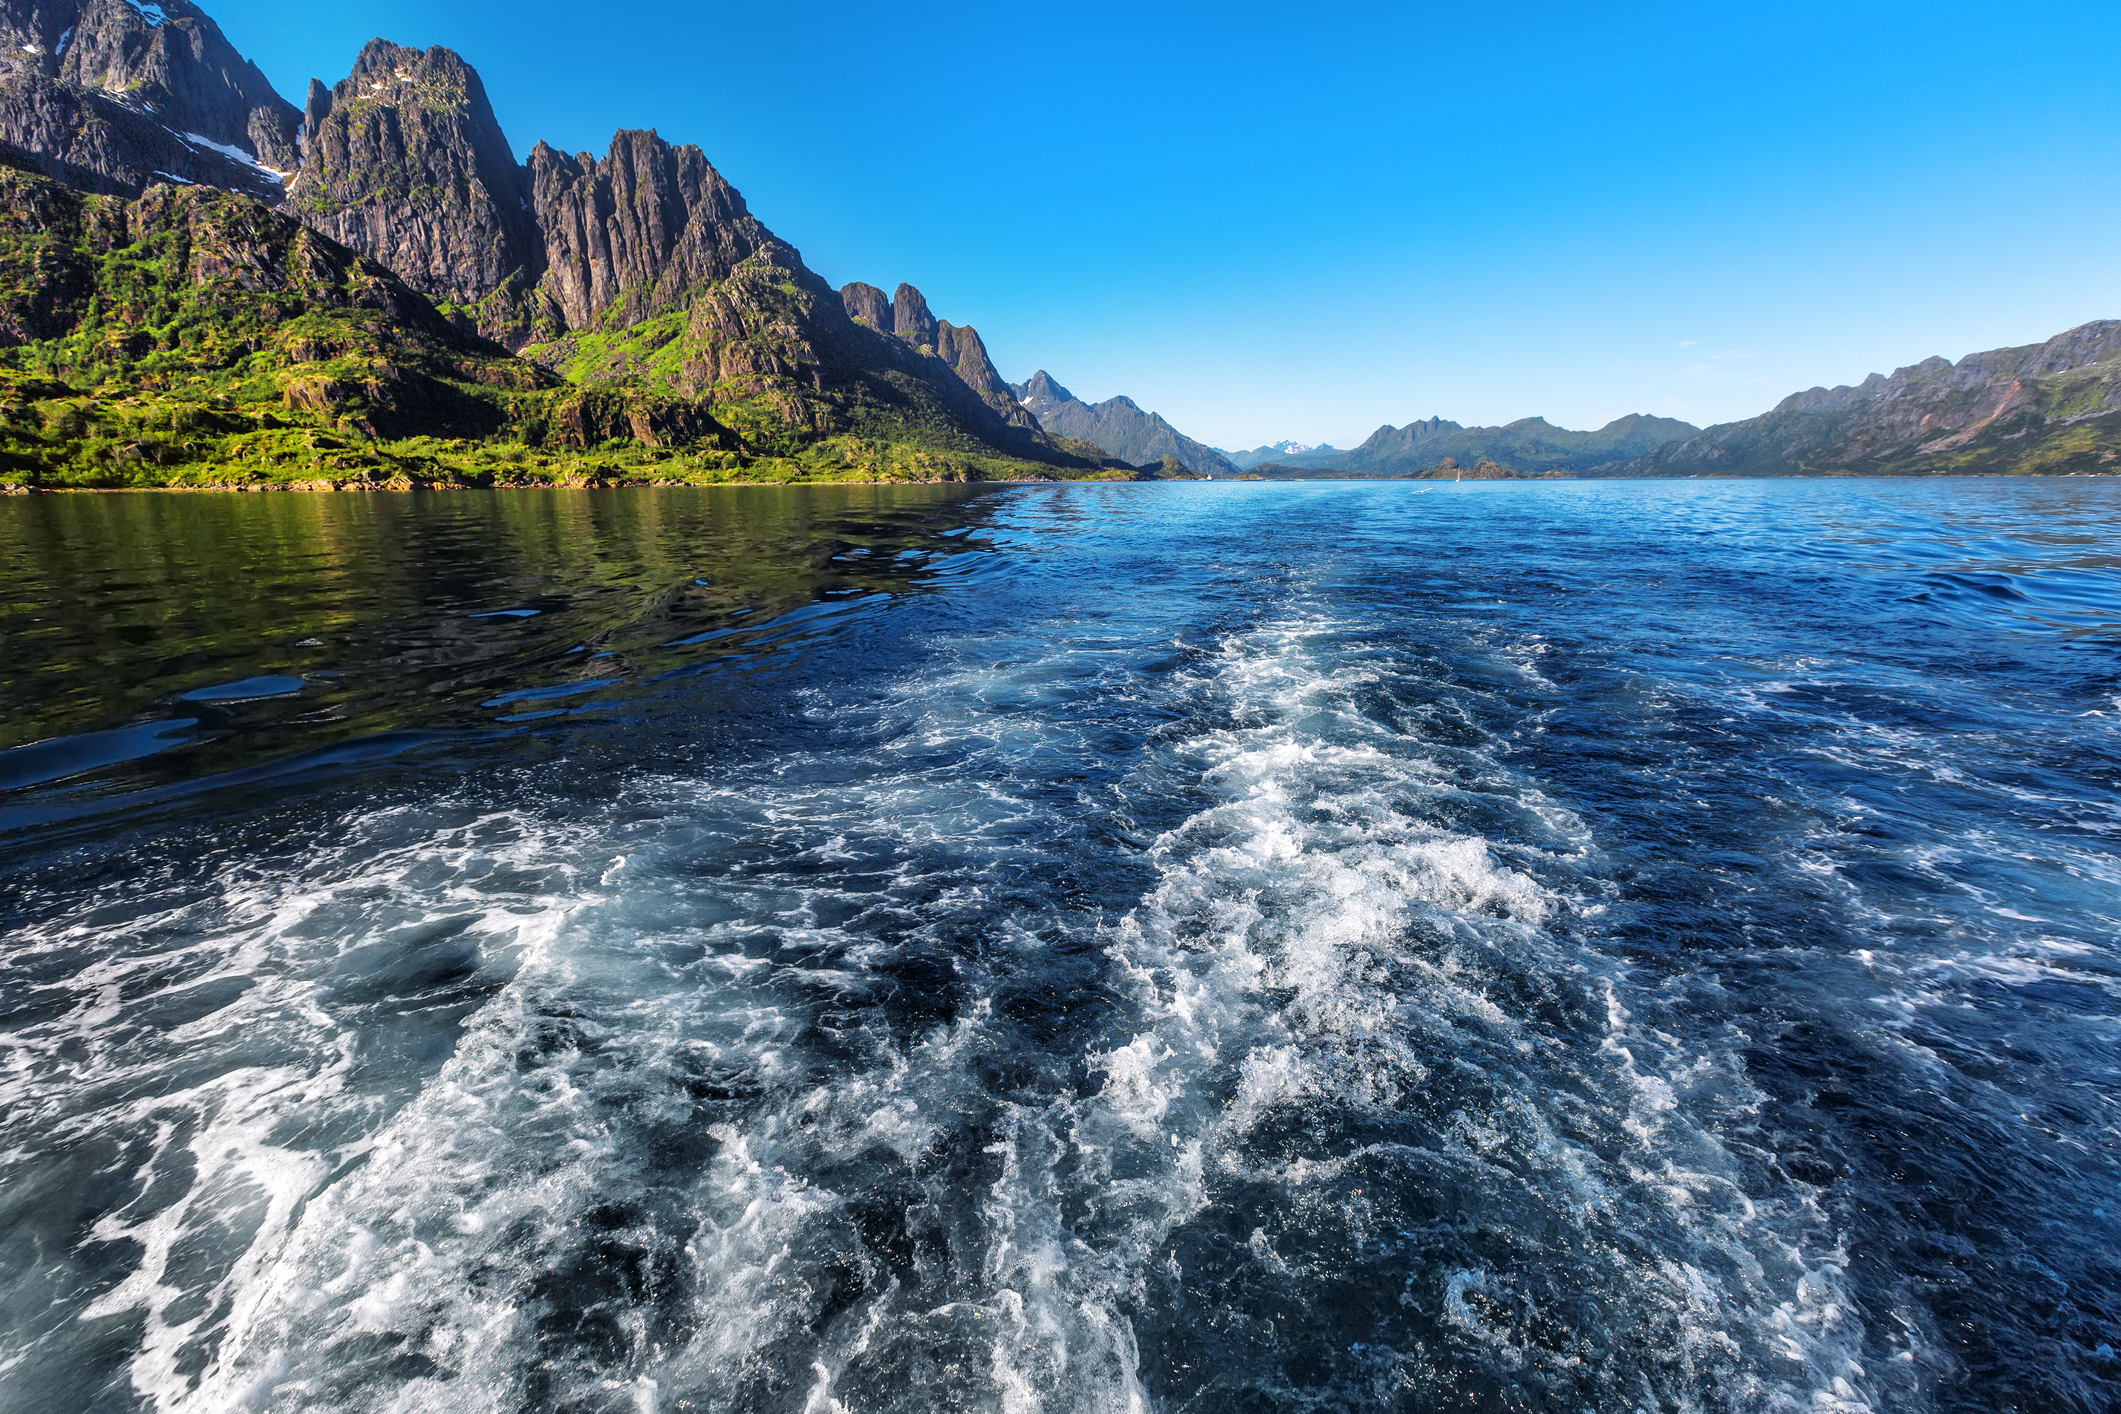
(1169,947)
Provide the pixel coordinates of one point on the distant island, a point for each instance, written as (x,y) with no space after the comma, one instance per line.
(202,285)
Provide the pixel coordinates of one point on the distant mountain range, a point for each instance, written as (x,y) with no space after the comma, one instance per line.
(1285,452)
(2051,408)
(1117,426)
(1529,446)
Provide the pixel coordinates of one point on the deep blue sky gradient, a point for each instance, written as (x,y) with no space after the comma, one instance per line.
(1306,220)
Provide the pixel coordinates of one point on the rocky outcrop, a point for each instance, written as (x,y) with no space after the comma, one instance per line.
(633,233)
(110,96)
(866,304)
(1119,426)
(910,319)
(2047,408)
(597,415)
(404,161)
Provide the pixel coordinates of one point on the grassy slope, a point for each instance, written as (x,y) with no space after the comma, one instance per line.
(770,350)
(2050,409)
(197,338)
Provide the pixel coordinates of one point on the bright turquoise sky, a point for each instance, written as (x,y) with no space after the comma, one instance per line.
(1304,221)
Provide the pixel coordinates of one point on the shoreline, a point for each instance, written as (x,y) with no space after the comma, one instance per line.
(10,490)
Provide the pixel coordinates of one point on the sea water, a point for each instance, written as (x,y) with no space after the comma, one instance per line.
(1569,946)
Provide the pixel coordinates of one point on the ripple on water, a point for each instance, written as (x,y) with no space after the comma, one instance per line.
(1114,986)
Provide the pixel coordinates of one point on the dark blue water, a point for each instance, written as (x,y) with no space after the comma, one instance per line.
(1579,946)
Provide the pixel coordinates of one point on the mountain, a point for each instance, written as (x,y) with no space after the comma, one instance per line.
(193,329)
(404,161)
(2041,409)
(905,316)
(1530,445)
(114,95)
(1118,426)
(1284,453)
(643,264)
(199,337)
(639,278)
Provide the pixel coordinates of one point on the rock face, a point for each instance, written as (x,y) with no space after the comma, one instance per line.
(2043,408)
(866,304)
(910,319)
(112,96)
(633,233)
(960,348)
(404,161)
(1119,426)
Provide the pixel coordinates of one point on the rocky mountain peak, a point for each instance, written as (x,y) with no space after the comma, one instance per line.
(404,161)
(633,232)
(911,320)
(867,304)
(111,96)
(966,353)
(1040,389)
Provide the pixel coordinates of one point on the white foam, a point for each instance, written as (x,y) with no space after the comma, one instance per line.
(1322,930)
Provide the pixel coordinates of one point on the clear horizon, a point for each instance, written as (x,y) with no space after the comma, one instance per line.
(1266,227)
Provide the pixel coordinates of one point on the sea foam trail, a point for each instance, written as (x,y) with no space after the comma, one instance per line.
(757,1115)
(1410,1060)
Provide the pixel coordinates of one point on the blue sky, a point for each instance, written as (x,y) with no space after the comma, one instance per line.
(1307,220)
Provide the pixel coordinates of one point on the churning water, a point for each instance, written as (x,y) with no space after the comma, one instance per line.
(1188,947)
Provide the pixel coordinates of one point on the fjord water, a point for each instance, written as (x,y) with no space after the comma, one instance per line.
(1573,946)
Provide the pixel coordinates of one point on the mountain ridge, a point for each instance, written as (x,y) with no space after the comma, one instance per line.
(110,97)
(1118,425)
(2048,408)
(642,271)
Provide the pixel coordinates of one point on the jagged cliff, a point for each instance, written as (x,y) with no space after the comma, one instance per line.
(1118,426)
(906,316)
(2044,408)
(112,96)
(404,162)
(644,264)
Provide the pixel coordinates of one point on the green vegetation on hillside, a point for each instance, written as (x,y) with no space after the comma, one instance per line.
(198,338)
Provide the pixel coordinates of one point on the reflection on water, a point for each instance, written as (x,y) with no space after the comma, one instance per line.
(1084,948)
(368,613)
